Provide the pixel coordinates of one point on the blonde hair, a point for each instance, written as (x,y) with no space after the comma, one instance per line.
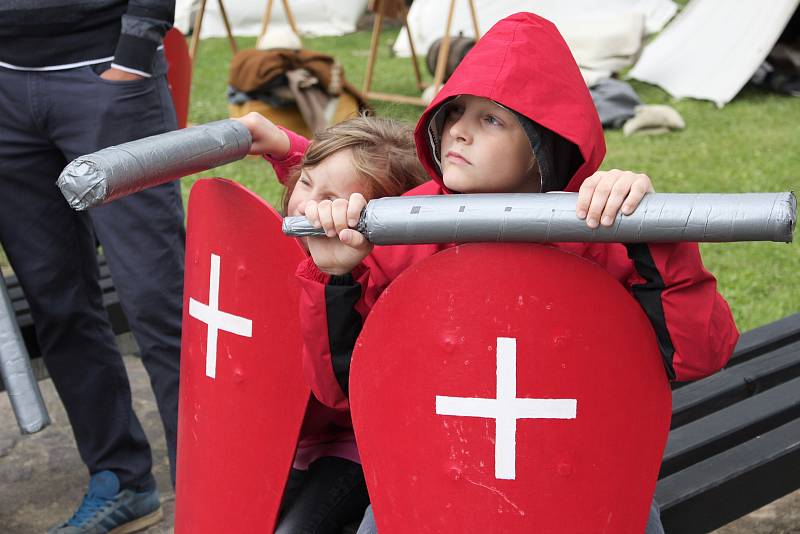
(383,153)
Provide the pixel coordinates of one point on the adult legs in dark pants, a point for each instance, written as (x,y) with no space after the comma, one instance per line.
(143,240)
(52,251)
(46,119)
(142,236)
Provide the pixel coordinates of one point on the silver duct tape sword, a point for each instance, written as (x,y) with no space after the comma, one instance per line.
(124,169)
(16,372)
(536,217)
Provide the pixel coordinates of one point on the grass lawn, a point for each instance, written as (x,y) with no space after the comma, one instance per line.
(750,145)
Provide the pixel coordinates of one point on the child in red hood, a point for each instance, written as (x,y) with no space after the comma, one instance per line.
(516,116)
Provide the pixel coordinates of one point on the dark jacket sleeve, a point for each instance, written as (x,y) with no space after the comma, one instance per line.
(143,29)
(330,321)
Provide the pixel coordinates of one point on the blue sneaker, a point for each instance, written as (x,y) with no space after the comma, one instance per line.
(107,510)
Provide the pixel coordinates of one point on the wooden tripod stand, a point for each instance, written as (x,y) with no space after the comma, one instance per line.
(264,24)
(441,60)
(198,25)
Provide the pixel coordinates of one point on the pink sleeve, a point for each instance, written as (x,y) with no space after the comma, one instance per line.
(297,148)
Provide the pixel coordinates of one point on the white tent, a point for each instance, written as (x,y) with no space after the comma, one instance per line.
(313,17)
(604,35)
(713,47)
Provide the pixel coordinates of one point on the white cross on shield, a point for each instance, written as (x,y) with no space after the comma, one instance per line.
(506,409)
(217,320)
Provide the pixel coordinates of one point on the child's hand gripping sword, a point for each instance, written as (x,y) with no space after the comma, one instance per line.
(536,217)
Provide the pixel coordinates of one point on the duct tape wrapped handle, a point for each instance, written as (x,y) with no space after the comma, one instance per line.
(15,370)
(660,217)
(121,170)
(301,227)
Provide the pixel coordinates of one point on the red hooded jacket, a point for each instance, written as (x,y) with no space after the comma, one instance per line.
(524,64)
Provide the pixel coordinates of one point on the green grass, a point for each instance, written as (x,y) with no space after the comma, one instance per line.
(750,145)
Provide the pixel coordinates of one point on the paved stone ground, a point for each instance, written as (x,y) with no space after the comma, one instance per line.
(42,479)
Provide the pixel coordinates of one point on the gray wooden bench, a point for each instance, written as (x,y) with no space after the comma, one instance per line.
(734,445)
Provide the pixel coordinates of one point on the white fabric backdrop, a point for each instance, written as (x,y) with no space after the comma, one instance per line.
(313,17)
(427,17)
(604,35)
(713,47)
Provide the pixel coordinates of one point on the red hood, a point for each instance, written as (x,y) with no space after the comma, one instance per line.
(524,64)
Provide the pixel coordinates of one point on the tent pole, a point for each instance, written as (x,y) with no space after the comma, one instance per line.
(414,61)
(198,25)
(444,50)
(265,20)
(373,46)
(231,40)
(290,17)
(474,19)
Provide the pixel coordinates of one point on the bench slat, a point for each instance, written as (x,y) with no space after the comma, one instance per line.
(733,483)
(731,385)
(766,338)
(731,426)
(761,340)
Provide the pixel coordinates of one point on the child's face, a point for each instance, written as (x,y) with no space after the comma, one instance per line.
(335,177)
(485,150)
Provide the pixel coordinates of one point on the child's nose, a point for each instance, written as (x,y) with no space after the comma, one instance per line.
(459,130)
(301,207)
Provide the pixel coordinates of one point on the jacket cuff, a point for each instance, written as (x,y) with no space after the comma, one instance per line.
(297,148)
(308,270)
(135,54)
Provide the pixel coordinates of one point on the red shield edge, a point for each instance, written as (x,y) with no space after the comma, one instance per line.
(238,430)
(579,335)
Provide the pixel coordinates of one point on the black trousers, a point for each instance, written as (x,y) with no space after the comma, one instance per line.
(46,120)
(330,495)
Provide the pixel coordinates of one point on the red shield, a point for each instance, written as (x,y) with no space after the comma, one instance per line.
(530,397)
(242,394)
